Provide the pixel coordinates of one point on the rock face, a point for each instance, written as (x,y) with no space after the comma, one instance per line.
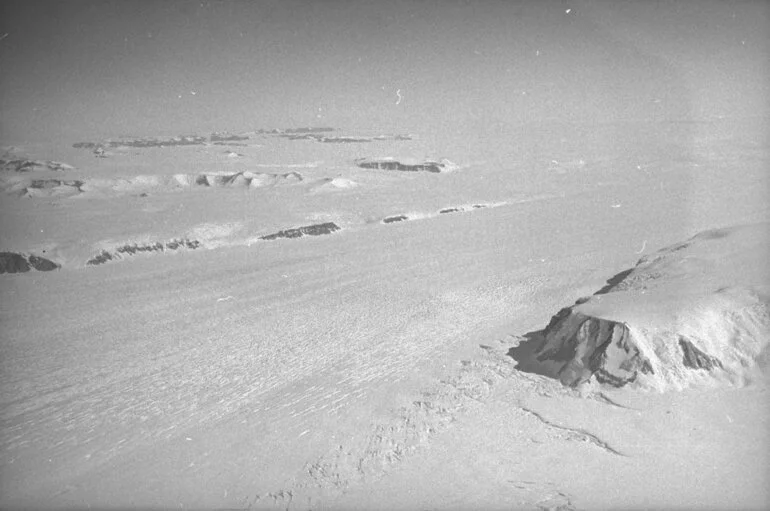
(593,347)
(309,230)
(12,262)
(694,313)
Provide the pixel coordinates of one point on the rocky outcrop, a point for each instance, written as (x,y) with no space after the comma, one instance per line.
(318,135)
(144,142)
(345,140)
(394,219)
(301,136)
(278,131)
(43,184)
(693,313)
(309,230)
(143,183)
(322,129)
(593,347)
(406,166)
(12,262)
(393,137)
(324,139)
(33,165)
(240,179)
(223,136)
(131,249)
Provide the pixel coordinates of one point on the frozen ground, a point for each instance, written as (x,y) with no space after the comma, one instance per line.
(203,366)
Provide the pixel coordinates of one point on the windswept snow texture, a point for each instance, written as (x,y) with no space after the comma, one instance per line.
(695,312)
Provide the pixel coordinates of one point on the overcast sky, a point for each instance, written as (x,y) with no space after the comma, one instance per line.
(80,69)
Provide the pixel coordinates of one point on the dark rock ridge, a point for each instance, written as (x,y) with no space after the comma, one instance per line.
(301,136)
(223,136)
(309,230)
(324,139)
(135,248)
(348,139)
(444,211)
(390,164)
(31,165)
(322,129)
(392,219)
(306,133)
(692,313)
(144,142)
(12,262)
(393,137)
(278,131)
(45,184)
(344,140)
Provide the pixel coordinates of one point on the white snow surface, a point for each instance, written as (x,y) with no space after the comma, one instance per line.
(366,368)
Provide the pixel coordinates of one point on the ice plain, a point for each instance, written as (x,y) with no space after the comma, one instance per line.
(368,366)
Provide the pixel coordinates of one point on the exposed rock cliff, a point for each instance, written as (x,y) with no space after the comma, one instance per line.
(695,312)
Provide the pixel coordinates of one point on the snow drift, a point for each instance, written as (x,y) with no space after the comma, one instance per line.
(693,313)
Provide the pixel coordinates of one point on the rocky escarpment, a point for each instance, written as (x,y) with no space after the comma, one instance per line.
(693,313)
(13,262)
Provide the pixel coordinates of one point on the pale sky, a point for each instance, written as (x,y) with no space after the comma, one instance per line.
(79,69)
